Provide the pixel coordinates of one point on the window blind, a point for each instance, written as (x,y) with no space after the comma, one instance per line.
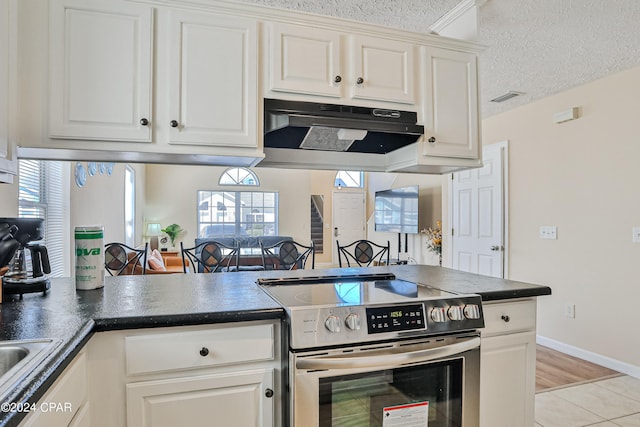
(44,193)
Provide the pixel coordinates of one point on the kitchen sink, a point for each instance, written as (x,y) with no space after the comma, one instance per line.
(17,360)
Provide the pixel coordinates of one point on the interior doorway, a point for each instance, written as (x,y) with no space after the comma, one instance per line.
(348,219)
(479,215)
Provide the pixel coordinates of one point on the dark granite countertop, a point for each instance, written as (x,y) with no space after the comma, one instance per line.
(70,317)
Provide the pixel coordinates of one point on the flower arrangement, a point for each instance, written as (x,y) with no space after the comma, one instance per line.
(172,231)
(434,238)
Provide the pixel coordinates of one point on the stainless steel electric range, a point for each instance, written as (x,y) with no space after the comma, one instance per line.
(374,350)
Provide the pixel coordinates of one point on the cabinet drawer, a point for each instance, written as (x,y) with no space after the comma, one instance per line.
(164,352)
(509,317)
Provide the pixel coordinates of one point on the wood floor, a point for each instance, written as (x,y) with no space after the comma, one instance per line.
(555,369)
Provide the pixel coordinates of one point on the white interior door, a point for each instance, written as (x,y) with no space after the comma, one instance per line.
(348,219)
(478,212)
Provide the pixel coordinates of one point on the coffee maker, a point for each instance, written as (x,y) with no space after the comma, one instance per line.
(29,263)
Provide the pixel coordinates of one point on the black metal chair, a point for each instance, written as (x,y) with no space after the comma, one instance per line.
(120,259)
(287,255)
(363,253)
(211,256)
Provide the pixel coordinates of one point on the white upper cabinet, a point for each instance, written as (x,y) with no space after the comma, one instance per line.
(451,104)
(305,60)
(213,79)
(100,70)
(383,69)
(8,162)
(313,61)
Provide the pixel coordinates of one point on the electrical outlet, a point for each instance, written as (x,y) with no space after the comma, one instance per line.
(548,232)
(570,310)
(635,234)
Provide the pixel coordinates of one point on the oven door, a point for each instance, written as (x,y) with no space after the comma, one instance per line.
(427,383)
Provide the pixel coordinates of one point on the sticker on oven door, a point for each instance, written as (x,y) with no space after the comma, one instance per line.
(409,415)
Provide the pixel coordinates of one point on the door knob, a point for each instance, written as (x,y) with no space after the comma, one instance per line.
(496,248)
(173,123)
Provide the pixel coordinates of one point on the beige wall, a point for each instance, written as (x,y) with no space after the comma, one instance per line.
(583,177)
(172,192)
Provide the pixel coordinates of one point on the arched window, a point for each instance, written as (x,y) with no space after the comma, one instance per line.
(349,179)
(238,176)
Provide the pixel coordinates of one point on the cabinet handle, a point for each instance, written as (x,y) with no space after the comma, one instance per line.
(173,123)
(144,122)
(360,80)
(204,351)
(268,392)
(338,79)
(432,140)
(506,318)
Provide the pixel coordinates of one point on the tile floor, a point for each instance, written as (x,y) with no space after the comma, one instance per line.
(613,402)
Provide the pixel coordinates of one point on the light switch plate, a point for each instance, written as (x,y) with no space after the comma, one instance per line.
(636,235)
(548,232)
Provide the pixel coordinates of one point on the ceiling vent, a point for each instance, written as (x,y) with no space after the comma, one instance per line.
(507,96)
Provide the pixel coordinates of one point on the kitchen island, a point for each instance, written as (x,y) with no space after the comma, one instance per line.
(160,301)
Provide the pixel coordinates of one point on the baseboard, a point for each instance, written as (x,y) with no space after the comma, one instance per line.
(589,356)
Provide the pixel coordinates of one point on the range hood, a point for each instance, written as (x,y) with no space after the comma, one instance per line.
(338,128)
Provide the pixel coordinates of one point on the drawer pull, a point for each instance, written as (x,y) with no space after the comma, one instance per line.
(204,351)
(505,318)
(268,392)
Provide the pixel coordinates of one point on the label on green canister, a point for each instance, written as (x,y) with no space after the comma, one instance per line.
(89,257)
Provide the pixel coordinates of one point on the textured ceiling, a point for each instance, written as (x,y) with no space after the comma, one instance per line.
(537,47)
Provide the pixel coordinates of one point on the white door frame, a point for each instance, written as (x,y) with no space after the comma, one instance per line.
(504,146)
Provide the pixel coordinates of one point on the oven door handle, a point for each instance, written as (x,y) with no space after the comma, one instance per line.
(387,358)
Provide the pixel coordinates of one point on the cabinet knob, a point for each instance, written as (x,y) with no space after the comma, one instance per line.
(204,351)
(173,123)
(144,122)
(268,392)
(505,318)
(360,80)
(338,79)
(432,140)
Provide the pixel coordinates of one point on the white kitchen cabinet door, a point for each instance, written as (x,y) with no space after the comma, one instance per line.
(100,55)
(214,67)
(305,60)
(238,399)
(451,104)
(8,31)
(507,380)
(68,395)
(383,70)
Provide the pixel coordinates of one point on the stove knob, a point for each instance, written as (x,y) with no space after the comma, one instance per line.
(332,323)
(438,315)
(455,313)
(352,322)
(471,311)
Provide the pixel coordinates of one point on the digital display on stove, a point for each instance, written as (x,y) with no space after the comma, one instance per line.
(396,318)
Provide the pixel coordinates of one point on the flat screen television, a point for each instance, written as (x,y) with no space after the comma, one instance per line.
(396,210)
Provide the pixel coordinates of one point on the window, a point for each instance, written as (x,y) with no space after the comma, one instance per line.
(237,213)
(349,179)
(43,193)
(238,176)
(129,206)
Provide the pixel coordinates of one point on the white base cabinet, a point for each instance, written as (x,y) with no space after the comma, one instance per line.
(222,374)
(65,404)
(235,399)
(508,364)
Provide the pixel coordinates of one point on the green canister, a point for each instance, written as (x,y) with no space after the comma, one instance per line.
(89,257)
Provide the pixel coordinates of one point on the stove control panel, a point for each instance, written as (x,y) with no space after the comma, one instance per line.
(395,318)
(328,326)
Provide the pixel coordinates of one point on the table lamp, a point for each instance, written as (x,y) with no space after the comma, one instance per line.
(153,231)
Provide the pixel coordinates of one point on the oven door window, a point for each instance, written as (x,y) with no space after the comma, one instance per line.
(428,395)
